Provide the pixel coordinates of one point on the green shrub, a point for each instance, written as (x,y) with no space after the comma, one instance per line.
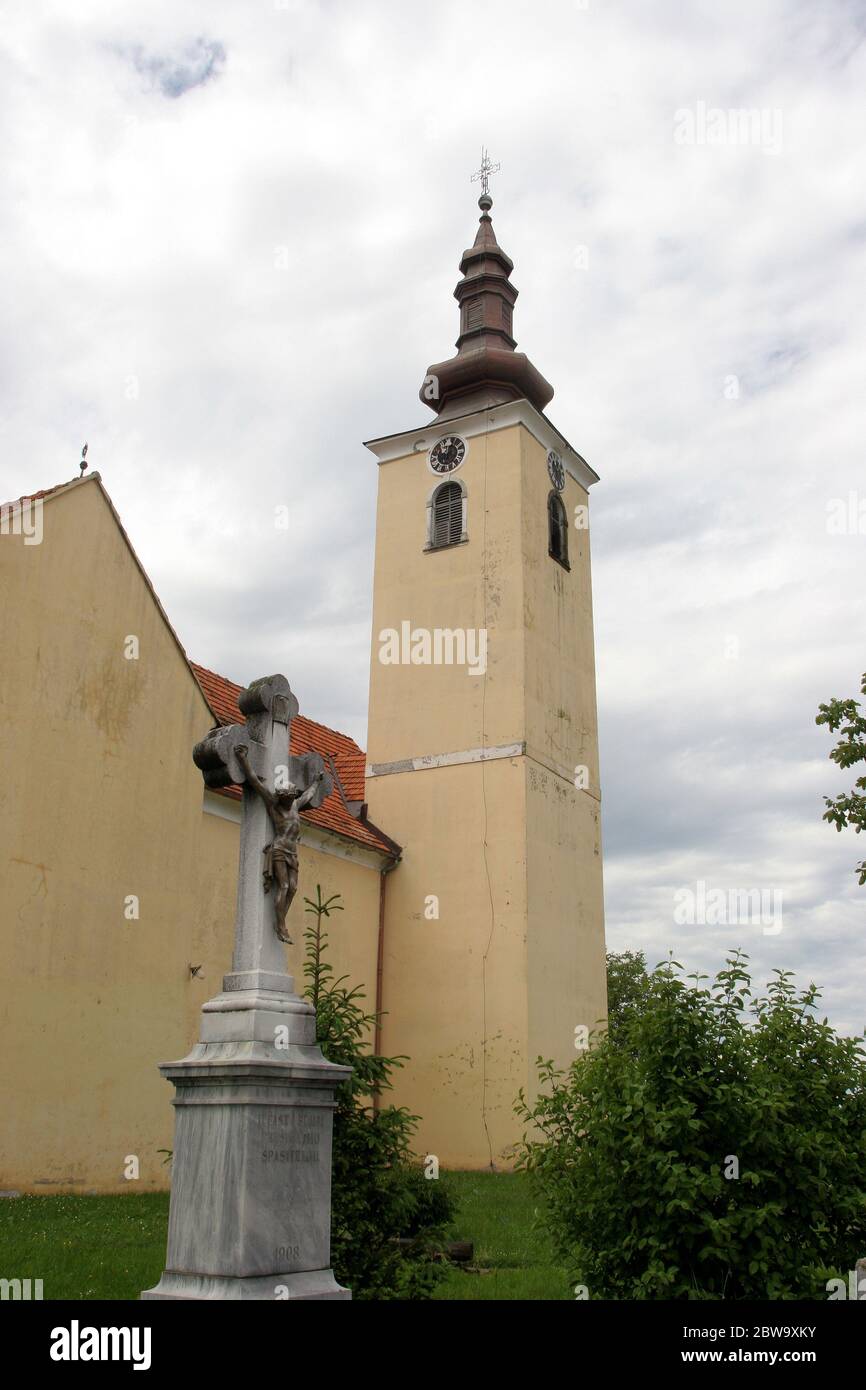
(627,984)
(640,1140)
(386,1217)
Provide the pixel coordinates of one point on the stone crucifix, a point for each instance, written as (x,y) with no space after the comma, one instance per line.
(276,786)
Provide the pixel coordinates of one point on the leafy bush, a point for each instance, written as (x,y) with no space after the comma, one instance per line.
(641,1140)
(627,985)
(386,1217)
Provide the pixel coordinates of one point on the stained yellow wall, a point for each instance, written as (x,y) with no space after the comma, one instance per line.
(416,710)
(454,989)
(510,846)
(99,799)
(565,917)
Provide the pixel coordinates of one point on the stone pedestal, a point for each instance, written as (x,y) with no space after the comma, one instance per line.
(250,1209)
(251,1173)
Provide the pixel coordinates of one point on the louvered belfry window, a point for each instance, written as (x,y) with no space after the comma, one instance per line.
(474,314)
(557,526)
(447,515)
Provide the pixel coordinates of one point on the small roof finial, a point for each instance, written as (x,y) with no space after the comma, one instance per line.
(486,370)
(485,202)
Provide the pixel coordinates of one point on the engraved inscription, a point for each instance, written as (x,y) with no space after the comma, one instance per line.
(284,1142)
(287,1252)
(290,1155)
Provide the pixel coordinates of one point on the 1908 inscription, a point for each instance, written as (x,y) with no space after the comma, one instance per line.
(287,1252)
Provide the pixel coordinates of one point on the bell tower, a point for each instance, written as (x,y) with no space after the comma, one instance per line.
(482,743)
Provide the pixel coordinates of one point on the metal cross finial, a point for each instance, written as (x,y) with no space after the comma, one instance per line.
(487,168)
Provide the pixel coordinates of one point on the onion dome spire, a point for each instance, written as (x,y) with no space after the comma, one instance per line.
(486,370)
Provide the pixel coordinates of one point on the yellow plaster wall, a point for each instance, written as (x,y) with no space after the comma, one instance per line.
(565,924)
(561,724)
(454,987)
(416,710)
(566,981)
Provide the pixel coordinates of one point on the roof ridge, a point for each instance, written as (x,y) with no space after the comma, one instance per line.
(44,492)
(209,670)
(226,680)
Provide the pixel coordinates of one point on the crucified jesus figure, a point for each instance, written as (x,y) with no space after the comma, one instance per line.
(281,855)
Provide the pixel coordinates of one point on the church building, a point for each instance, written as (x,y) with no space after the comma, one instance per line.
(464,842)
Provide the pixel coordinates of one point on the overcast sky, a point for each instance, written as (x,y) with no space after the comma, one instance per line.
(231,235)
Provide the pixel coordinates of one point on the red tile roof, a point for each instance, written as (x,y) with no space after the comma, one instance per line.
(307,736)
(46,491)
(36,496)
(352,769)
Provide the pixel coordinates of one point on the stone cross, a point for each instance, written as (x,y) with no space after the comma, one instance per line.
(269,706)
(250,1212)
(487,168)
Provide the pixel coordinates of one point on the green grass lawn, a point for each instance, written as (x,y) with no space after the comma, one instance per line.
(496,1211)
(113,1247)
(85,1247)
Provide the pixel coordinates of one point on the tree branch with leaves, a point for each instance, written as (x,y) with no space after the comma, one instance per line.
(848,809)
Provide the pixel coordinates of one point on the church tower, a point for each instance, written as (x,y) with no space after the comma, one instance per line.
(482,743)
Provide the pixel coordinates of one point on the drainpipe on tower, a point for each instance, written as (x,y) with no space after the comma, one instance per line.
(390,863)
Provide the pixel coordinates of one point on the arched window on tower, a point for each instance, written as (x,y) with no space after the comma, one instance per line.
(446,517)
(557,530)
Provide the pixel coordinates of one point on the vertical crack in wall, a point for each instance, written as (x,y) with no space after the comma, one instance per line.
(484,813)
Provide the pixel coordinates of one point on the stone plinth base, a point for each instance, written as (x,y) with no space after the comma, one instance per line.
(314,1284)
(250,1214)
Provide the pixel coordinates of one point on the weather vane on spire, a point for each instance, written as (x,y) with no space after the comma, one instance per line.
(487,168)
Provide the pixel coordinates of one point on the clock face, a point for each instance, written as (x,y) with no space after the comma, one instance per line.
(556,470)
(447,454)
